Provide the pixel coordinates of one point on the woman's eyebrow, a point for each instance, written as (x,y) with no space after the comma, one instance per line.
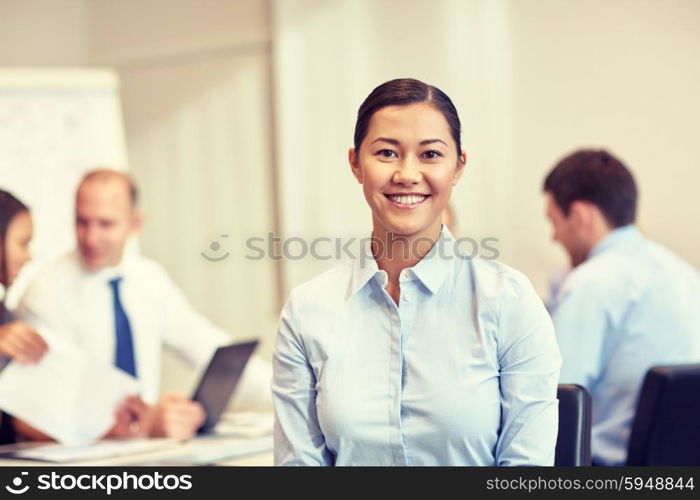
(431,141)
(396,142)
(386,139)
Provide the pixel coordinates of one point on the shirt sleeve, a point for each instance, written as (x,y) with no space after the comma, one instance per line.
(298,439)
(39,306)
(191,335)
(42,307)
(580,322)
(529,363)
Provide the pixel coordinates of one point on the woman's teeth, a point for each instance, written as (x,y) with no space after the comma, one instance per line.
(407,199)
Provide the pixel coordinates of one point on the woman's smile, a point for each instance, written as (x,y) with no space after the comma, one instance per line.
(406,201)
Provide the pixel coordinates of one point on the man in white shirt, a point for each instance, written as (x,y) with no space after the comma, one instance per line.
(626,305)
(123,307)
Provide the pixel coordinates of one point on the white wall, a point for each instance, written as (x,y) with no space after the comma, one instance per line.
(42,32)
(532,81)
(622,75)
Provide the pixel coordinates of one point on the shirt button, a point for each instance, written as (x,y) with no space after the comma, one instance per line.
(406,297)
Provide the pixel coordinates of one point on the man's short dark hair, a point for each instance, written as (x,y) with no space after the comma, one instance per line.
(596,177)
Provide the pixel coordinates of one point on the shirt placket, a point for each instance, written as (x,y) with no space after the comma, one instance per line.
(407,309)
(401,319)
(398,452)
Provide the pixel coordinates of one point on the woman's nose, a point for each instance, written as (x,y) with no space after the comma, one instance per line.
(407,172)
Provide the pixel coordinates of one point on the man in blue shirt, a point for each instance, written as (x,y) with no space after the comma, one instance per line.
(627,303)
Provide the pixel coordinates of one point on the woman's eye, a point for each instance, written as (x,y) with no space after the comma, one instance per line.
(432,154)
(386,153)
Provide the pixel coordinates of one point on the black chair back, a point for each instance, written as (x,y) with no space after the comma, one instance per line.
(666,428)
(574,439)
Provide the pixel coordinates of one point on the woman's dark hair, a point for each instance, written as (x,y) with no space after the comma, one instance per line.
(596,177)
(9,208)
(402,92)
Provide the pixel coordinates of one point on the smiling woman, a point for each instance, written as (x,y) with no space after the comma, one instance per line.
(407,162)
(419,354)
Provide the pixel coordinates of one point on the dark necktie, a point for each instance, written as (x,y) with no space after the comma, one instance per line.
(124,359)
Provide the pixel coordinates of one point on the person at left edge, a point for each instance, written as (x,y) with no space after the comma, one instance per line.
(18,340)
(99,295)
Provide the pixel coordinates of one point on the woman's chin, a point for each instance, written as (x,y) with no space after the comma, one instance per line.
(408,229)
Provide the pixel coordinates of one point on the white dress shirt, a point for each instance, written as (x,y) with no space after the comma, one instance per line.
(630,306)
(463,371)
(68,300)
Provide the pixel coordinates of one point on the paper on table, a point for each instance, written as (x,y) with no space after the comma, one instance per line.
(67,395)
(104,449)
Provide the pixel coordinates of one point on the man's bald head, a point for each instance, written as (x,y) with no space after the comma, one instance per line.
(107,175)
(105,217)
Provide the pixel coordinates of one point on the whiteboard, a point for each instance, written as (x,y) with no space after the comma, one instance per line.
(56,124)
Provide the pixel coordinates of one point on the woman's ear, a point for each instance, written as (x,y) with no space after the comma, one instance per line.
(354,162)
(461,165)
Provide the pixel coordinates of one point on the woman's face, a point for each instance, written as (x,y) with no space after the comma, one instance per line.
(407,165)
(17,238)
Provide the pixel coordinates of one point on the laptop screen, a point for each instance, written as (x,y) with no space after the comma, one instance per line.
(220,380)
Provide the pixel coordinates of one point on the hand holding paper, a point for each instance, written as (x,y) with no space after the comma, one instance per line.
(67,395)
(20,341)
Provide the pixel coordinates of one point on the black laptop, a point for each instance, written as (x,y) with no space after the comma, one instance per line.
(220,380)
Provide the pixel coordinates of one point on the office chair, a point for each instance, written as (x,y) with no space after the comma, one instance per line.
(574,438)
(666,428)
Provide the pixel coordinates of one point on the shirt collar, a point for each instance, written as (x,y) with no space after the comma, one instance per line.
(108,273)
(365,268)
(616,237)
(431,270)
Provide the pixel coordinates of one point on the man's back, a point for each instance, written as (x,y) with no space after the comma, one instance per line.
(631,305)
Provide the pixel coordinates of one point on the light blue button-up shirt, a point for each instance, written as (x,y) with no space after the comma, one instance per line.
(630,306)
(463,371)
